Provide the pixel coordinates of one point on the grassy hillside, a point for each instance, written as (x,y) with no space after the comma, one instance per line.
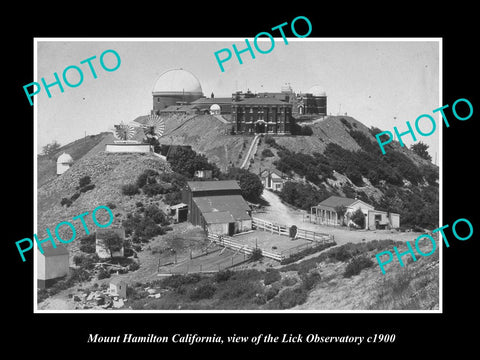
(108,172)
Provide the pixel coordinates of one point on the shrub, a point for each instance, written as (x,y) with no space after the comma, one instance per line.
(84,181)
(87,187)
(289,281)
(103,274)
(267,153)
(271,292)
(147,177)
(205,291)
(256,254)
(134,266)
(111,205)
(270,141)
(130,189)
(223,275)
(88,239)
(356,265)
(75,196)
(66,201)
(271,276)
(176,281)
(358,218)
(289,298)
(310,280)
(88,248)
(153,189)
(293,231)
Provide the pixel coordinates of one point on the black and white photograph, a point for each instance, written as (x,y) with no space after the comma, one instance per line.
(242,182)
(260,188)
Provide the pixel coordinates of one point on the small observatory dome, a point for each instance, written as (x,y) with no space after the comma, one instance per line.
(63,163)
(215,109)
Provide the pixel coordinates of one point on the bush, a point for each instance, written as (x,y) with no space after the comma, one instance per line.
(356,265)
(88,248)
(289,281)
(130,189)
(153,189)
(267,153)
(289,298)
(310,280)
(87,187)
(103,274)
(134,266)
(84,181)
(66,201)
(271,276)
(205,291)
(358,217)
(256,254)
(224,275)
(293,231)
(271,292)
(75,196)
(176,281)
(111,205)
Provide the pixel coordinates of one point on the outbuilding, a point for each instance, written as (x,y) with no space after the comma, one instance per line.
(118,287)
(52,265)
(64,162)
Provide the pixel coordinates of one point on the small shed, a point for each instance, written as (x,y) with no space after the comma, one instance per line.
(100,247)
(179,212)
(52,265)
(118,287)
(64,162)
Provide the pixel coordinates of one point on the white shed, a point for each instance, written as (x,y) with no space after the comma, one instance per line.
(52,265)
(64,162)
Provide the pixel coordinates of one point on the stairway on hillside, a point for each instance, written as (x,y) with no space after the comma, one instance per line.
(251,151)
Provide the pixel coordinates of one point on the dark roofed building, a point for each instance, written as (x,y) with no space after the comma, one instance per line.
(217,206)
(262,115)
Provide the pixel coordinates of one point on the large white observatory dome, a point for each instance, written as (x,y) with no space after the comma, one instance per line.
(177,81)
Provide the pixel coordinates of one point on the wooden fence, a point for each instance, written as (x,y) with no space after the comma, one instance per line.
(285,230)
(271,227)
(228,242)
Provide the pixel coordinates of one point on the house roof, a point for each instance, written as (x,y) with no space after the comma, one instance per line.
(213,185)
(218,217)
(178,206)
(51,251)
(261,101)
(117,281)
(333,201)
(234,204)
(266,172)
(220,100)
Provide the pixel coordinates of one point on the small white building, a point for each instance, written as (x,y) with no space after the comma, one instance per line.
(64,162)
(118,287)
(273,179)
(52,265)
(100,247)
(215,109)
(326,213)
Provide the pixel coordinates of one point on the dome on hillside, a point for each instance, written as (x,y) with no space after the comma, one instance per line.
(64,159)
(317,91)
(177,81)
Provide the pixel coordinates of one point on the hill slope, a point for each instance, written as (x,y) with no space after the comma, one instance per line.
(108,172)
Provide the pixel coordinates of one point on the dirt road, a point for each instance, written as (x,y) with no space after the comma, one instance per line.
(281,213)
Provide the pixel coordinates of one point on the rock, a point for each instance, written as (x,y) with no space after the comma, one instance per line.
(157,296)
(91,296)
(118,304)
(151,291)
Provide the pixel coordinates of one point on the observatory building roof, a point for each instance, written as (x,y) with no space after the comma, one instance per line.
(64,158)
(177,81)
(317,91)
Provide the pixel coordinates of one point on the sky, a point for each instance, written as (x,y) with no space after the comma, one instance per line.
(379,83)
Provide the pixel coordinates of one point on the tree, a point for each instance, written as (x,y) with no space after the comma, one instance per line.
(112,241)
(358,218)
(50,149)
(341,210)
(250,184)
(420,149)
